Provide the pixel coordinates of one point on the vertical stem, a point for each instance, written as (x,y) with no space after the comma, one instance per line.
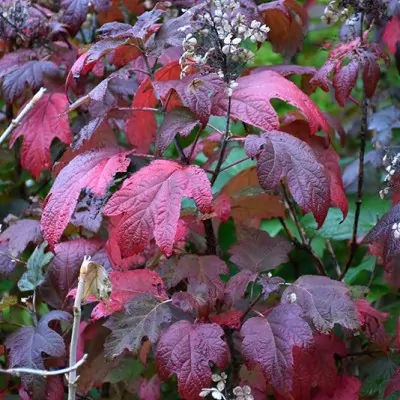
(360,183)
(72,380)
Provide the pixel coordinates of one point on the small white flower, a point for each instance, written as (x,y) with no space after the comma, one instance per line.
(226,49)
(221,386)
(236,41)
(255,24)
(292,297)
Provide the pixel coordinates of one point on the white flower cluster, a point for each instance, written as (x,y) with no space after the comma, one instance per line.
(391,170)
(243,393)
(333,14)
(217,392)
(396,230)
(218,44)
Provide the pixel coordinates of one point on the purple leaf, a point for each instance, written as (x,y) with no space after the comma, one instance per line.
(237,285)
(270,284)
(325,302)
(268,343)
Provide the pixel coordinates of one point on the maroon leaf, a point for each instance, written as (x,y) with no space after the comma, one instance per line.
(372,323)
(394,384)
(231,319)
(74,13)
(237,285)
(27,344)
(143,316)
(285,156)
(127,285)
(325,302)
(39,128)
(370,76)
(150,389)
(92,170)
(268,343)
(31,74)
(20,234)
(196,92)
(344,80)
(149,203)
(178,121)
(203,269)
(185,350)
(346,388)
(251,101)
(63,272)
(259,252)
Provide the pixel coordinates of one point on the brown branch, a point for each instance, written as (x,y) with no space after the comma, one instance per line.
(234,163)
(251,306)
(333,256)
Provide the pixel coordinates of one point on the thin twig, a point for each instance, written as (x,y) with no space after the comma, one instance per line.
(234,163)
(360,184)
(72,378)
(194,144)
(15,122)
(333,256)
(251,305)
(19,371)
(305,242)
(17,260)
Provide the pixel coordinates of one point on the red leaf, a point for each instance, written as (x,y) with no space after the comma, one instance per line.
(203,269)
(62,274)
(259,252)
(371,74)
(125,286)
(251,101)
(231,319)
(91,170)
(149,203)
(372,323)
(325,302)
(39,128)
(394,384)
(141,125)
(346,388)
(391,34)
(344,80)
(186,350)
(268,343)
(150,389)
(285,156)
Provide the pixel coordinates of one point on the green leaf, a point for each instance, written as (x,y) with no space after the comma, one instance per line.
(333,228)
(34,274)
(367,265)
(375,377)
(127,371)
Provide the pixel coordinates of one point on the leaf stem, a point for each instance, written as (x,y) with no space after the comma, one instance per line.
(250,307)
(72,377)
(333,256)
(15,122)
(234,163)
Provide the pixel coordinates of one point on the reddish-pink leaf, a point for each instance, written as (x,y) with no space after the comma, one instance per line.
(285,156)
(325,302)
(125,286)
(19,234)
(178,121)
(203,269)
(372,323)
(391,34)
(394,384)
(62,274)
(260,252)
(149,203)
(39,128)
(92,170)
(54,388)
(251,101)
(344,81)
(346,388)
(185,350)
(268,343)
(222,207)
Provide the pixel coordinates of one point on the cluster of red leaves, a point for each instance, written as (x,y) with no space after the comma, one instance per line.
(172,301)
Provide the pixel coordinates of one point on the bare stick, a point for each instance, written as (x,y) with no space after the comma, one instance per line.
(72,378)
(333,256)
(19,371)
(15,122)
